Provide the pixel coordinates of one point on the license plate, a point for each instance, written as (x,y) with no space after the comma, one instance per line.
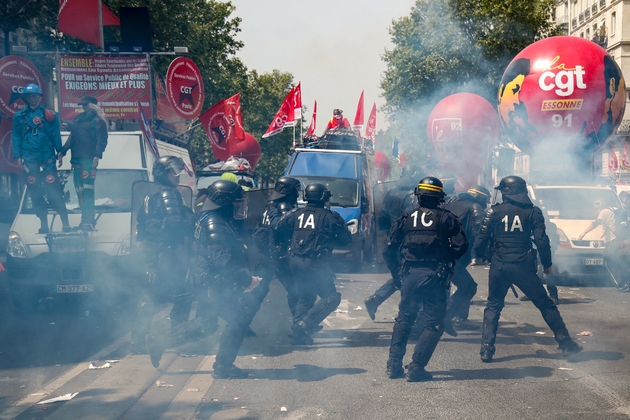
(75,288)
(593,261)
(68,247)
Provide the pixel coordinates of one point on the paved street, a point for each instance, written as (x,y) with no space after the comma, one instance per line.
(342,376)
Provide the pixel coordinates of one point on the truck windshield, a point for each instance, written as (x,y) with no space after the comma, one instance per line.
(345,192)
(112,191)
(574,203)
(342,165)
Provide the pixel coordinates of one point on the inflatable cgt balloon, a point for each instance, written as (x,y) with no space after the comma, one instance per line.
(561,87)
(383,167)
(463,129)
(249,149)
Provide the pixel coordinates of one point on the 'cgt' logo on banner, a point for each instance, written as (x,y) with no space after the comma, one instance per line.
(220,129)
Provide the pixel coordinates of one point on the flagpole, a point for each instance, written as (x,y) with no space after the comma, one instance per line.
(100,23)
(294,136)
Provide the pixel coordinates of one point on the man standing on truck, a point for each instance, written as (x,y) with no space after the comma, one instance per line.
(510,228)
(311,233)
(36,139)
(87,141)
(163,224)
(337,122)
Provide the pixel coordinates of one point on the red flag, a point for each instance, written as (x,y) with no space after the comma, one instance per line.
(313,127)
(285,117)
(148,132)
(358,116)
(79,18)
(625,159)
(370,130)
(297,102)
(613,163)
(224,126)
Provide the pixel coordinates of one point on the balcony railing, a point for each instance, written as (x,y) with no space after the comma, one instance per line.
(594,8)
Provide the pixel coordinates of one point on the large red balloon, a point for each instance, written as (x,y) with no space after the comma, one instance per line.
(383,167)
(463,129)
(249,149)
(561,88)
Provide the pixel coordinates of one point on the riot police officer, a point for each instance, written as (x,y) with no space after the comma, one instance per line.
(164,222)
(509,228)
(469,208)
(311,233)
(282,200)
(35,141)
(392,209)
(422,250)
(220,266)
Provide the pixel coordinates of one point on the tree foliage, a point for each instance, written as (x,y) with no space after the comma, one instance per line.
(448,46)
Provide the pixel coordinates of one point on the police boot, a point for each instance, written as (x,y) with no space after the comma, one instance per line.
(416,373)
(464,324)
(44,225)
(228,371)
(570,347)
(156,344)
(300,335)
(554,299)
(395,369)
(371,306)
(448,327)
(486,353)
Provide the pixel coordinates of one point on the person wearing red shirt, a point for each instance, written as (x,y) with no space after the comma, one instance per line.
(337,122)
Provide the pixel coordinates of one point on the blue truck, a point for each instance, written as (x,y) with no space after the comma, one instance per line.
(347,170)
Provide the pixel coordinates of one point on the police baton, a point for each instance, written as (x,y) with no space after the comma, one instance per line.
(514,291)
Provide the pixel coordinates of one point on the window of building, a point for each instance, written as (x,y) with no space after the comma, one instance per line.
(588,34)
(613,23)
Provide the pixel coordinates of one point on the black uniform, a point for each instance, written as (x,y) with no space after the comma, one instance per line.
(470,215)
(220,266)
(163,224)
(429,241)
(274,259)
(508,229)
(311,233)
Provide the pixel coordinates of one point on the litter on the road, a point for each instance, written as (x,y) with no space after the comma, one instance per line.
(66,397)
(341,311)
(540,332)
(358,308)
(105,366)
(161,384)
(187,355)
(194,390)
(283,409)
(563,368)
(585,334)
(112,361)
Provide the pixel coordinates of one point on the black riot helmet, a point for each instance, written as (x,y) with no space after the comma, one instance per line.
(166,165)
(224,193)
(286,189)
(411,171)
(317,193)
(514,188)
(431,187)
(480,194)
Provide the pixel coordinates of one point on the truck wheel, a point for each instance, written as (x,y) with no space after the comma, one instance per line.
(24,299)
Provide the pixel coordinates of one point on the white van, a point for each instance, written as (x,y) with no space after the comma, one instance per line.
(82,264)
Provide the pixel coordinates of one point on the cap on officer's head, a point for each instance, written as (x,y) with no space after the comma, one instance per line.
(32,88)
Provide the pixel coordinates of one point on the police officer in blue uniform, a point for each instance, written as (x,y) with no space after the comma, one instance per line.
(469,208)
(220,266)
(36,140)
(508,229)
(274,261)
(311,233)
(422,250)
(163,224)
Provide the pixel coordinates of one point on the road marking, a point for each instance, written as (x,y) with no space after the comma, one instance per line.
(185,404)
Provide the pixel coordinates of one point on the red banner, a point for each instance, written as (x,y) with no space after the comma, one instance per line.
(79,18)
(7,163)
(15,73)
(359,115)
(184,88)
(625,159)
(613,162)
(297,102)
(285,117)
(121,85)
(313,127)
(370,130)
(224,126)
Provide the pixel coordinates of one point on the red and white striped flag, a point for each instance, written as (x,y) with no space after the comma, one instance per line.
(285,117)
(613,162)
(313,127)
(370,130)
(625,159)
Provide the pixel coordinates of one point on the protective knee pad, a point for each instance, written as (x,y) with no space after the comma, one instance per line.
(333,300)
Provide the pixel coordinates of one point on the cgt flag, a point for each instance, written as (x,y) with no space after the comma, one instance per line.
(313,127)
(80,19)
(223,123)
(625,159)
(359,115)
(285,117)
(613,162)
(148,132)
(370,130)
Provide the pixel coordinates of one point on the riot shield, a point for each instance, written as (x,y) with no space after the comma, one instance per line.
(256,203)
(144,189)
(382,223)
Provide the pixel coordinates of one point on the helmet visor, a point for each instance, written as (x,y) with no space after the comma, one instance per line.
(240,208)
(176,166)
